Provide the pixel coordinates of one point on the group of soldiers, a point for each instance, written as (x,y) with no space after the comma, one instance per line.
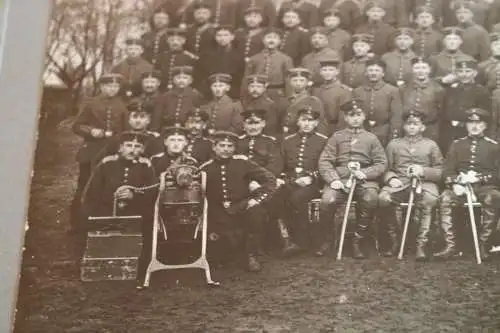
(280,107)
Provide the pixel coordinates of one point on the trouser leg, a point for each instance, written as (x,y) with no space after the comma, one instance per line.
(367,204)
(326,231)
(447,199)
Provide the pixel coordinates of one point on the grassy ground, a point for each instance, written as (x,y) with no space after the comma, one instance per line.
(299,295)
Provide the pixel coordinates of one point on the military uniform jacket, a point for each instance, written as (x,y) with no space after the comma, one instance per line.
(396,13)
(268,11)
(113,172)
(445,63)
(273,125)
(476,42)
(398,67)
(152,145)
(309,15)
(224,115)
(383,108)
(458,99)
(199,39)
(494,125)
(273,64)
(382,33)
(223,12)
(300,153)
(439,7)
(155,43)
(427,42)
(228,180)
(290,106)
(349,13)
(162,161)
(493,16)
(108,114)
(353,72)
(132,71)
(340,40)
(157,102)
(262,149)
(480,154)
(171,59)
(403,152)
(199,148)
(333,95)
(489,73)
(312,62)
(352,145)
(249,42)
(295,43)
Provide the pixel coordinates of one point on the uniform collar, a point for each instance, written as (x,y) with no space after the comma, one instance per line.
(476,137)
(376,86)
(425,31)
(420,84)
(353,130)
(452,54)
(413,139)
(408,54)
(222,99)
(131,61)
(299,95)
(271,52)
(328,84)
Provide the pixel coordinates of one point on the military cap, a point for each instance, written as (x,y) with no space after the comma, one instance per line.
(417,60)
(132,40)
(176,32)
(225,136)
(220,77)
(253,9)
(152,74)
(319,30)
(330,62)
(424,9)
(174,130)
(309,112)
(132,136)
(404,31)
(272,30)
(182,70)
(111,78)
(254,113)
(467,63)
(257,78)
(197,113)
(376,61)
(291,9)
(458,4)
(494,36)
(361,37)
(299,71)
(227,27)
(201,4)
(477,114)
(333,11)
(352,106)
(414,115)
(453,31)
(374,4)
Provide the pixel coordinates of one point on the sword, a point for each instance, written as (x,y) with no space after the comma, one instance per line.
(352,186)
(469,192)
(408,215)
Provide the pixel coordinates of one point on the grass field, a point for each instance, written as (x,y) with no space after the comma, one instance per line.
(298,295)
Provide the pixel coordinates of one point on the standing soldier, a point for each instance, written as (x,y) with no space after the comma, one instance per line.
(476,41)
(408,157)
(268,11)
(375,26)
(319,43)
(489,70)
(436,8)
(271,63)
(99,119)
(150,97)
(175,56)
(479,9)
(353,71)
(295,41)
(460,98)
(396,12)
(428,40)
(332,93)
(349,12)
(381,103)
(256,98)
(350,145)
(424,95)
(199,147)
(200,36)
(249,38)
(471,161)
(223,12)
(307,11)
(155,41)
(230,199)
(444,63)
(398,62)
(338,39)
(132,67)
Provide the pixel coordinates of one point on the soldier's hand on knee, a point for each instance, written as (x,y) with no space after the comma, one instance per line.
(395,182)
(253,185)
(359,175)
(458,189)
(124,193)
(337,185)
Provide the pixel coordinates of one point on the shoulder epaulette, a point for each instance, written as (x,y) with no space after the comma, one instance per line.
(242,136)
(321,135)
(490,140)
(346,87)
(290,136)
(191,55)
(158,155)
(206,163)
(460,139)
(269,137)
(110,158)
(240,157)
(153,133)
(144,160)
(303,29)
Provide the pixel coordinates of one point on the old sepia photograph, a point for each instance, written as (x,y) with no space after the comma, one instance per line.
(279,166)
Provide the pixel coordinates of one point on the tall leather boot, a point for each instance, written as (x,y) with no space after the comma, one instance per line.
(360,234)
(486,232)
(450,249)
(252,250)
(324,236)
(423,233)
(289,247)
(392,231)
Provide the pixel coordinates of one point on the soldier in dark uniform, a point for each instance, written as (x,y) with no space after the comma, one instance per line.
(338,39)
(396,12)
(200,35)
(299,180)
(348,11)
(350,145)
(476,40)
(271,63)
(118,184)
(377,27)
(332,93)
(353,71)
(175,142)
(307,11)
(155,41)
(428,39)
(381,103)
(436,8)
(424,95)
(256,98)
(460,98)
(232,208)
(249,38)
(411,157)
(223,12)
(489,70)
(132,68)
(479,9)
(199,146)
(268,11)
(175,56)
(99,119)
(398,62)
(151,98)
(295,40)
(471,161)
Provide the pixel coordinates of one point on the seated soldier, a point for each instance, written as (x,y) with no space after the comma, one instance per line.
(352,145)
(199,146)
(119,184)
(412,158)
(232,209)
(175,142)
(472,162)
